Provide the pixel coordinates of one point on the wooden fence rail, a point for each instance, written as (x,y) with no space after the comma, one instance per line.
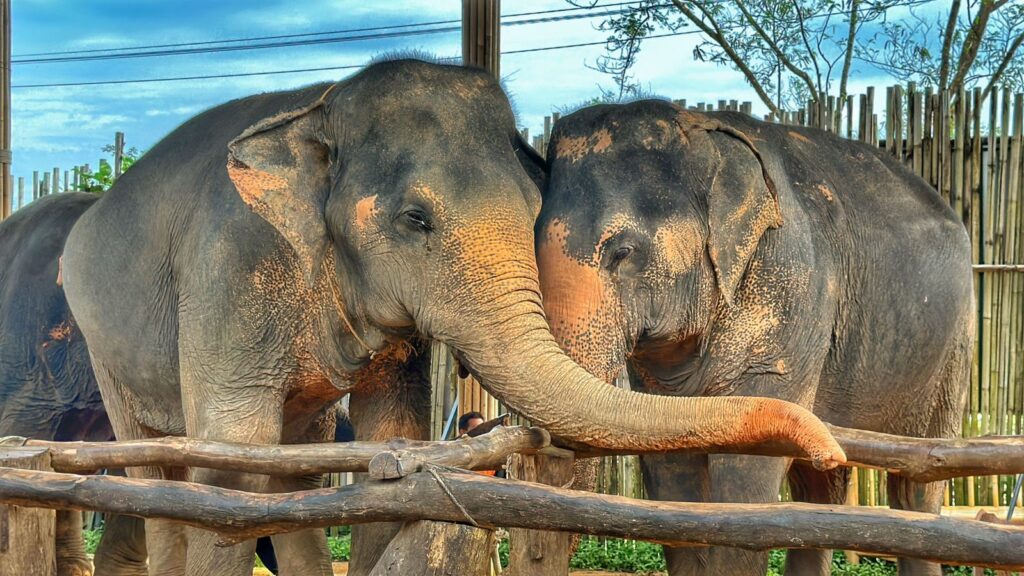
(433,492)
(922,459)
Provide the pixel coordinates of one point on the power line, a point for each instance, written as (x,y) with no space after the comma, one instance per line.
(321,69)
(308,34)
(287,41)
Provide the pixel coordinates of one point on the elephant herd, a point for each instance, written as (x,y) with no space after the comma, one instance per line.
(280,251)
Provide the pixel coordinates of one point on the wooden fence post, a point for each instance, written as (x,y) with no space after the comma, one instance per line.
(27,535)
(118,152)
(436,549)
(538,552)
(6,193)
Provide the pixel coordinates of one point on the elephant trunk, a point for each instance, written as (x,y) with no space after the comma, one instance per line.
(519,362)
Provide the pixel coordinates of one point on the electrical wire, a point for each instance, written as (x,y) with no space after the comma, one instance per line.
(306,34)
(320,69)
(288,41)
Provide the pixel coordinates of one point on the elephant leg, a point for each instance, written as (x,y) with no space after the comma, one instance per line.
(71,558)
(165,543)
(810,485)
(678,478)
(304,552)
(261,424)
(122,550)
(927,497)
(392,400)
(743,479)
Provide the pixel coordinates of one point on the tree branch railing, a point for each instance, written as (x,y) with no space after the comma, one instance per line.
(920,459)
(453,496)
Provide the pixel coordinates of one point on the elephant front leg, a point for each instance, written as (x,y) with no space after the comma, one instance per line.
(809,485)
(258,423)
(678,478)
(122,550)
(743,479)
(908,495)
(304,552)
(71,558)
(391,401)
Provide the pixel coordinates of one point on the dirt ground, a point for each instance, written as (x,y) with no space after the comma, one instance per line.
(341,569)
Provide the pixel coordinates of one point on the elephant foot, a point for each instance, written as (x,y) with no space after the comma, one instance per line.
(74,566)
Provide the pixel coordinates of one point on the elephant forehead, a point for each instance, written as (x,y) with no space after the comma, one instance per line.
(679,243)
(366,209)
(580,304)
(579,245)
(574,148)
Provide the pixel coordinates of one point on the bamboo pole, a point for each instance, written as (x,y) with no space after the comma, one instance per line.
(6,193)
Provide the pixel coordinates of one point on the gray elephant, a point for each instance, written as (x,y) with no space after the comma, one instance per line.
(717,255)
(47,387)
(280,250)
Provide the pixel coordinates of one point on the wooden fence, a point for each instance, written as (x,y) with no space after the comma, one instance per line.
(977,168)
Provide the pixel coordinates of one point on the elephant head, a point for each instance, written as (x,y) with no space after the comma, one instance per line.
(409,189)
(651,217)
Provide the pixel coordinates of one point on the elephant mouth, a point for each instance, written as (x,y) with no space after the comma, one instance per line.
(460,364)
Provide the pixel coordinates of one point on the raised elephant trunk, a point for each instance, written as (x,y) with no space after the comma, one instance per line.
(506,342)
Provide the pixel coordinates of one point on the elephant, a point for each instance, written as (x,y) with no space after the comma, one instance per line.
(278,251)
(713,255)
(47,387)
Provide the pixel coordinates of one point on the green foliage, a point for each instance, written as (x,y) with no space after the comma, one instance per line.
(100,180)
(340,547)
(618,555)
(615,555)
(92,540)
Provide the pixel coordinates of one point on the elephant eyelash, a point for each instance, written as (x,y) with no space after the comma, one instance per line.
(419,219)
(620,254)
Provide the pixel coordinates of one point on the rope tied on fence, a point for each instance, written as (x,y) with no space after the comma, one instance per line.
(433,470)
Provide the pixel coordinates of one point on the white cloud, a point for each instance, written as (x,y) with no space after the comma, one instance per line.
(101,41)
(177,111)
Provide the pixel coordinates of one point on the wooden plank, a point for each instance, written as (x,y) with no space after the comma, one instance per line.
(897,119)
(27,535)
(956,169)
(540,552)
(6,191)
(890,122)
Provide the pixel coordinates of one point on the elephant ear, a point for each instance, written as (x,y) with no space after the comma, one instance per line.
(531,161)
(742,203)
(281,169)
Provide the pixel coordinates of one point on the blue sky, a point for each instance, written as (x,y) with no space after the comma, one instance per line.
(66,126)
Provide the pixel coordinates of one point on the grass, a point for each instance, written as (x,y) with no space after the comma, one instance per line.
(616,555)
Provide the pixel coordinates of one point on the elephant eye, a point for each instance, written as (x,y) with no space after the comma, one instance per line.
(621,253)
(418,219)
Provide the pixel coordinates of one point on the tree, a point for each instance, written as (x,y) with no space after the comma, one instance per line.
(103,178)
(794,51)
(979,43)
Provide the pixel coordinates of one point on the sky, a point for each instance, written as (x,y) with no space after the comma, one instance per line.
(68,126)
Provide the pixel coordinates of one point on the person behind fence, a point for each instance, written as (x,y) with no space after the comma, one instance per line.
(467,422)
